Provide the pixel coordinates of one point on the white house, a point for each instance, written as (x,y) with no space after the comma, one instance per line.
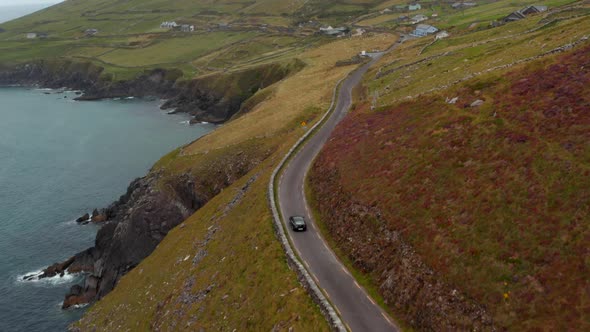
(414,6)
(441,35)
(424,30)
(168,25)
(418,18)
(31,35)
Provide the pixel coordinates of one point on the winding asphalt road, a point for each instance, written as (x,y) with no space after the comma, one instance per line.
(355,307)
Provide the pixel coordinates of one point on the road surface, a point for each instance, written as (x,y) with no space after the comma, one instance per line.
(356,309)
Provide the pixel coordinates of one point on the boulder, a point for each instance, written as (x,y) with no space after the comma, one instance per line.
(76,296)
(98,217)
(57,268)
(477,103)
(83,218)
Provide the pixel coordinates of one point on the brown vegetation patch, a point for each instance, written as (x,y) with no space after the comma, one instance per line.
(494,199)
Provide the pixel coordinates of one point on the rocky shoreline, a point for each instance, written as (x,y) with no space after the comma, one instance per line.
(133,226)
(213,100)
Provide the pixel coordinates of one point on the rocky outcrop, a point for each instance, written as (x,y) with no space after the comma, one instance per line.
(84,218)
(137,222)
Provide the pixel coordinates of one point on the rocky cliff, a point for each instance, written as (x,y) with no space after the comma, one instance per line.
(213,99)
(135,224)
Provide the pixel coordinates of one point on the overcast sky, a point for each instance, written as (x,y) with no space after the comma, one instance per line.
(27,2)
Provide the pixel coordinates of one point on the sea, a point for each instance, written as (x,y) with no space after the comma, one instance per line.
(59,159)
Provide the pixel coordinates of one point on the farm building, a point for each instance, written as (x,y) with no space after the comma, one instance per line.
(90,32)
(187,28)
(441,35)
(414,6)
(168,25)
(333,31)
(520,14)
(424,30)
(419,18)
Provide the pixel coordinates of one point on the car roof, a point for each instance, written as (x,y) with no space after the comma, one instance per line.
(298,217)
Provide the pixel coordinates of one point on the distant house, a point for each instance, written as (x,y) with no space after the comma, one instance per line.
(424,30)
(402,18)
(441,35)
(462,5)
(419,18)
(359,32)
(401,7)
(31,35)
(386,11)
(168,25)
(334,31)
(533,10)
(515,16)
(520,14)
(414,6)
(90,32)
(187,28)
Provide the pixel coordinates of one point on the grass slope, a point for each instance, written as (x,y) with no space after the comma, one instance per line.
(493,198)
(240,279)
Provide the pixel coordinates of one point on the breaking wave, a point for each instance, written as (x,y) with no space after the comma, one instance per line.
(35,277)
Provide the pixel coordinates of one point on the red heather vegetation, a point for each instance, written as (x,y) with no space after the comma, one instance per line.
(494,200)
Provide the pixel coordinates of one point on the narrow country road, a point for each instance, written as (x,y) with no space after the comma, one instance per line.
(356,309)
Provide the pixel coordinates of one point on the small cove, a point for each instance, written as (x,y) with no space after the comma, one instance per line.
(58,160)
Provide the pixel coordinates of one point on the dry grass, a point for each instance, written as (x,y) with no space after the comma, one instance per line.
(297,98)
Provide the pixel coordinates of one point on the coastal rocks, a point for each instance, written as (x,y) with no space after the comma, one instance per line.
(79,295)
(98,216)
(152,206)
(213,99)
(51,271)
(84,218)
(133,227)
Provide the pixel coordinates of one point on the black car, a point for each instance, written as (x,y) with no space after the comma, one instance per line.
(297,223)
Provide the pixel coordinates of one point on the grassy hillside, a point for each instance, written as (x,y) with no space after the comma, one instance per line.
(483,204)
(224,269)
(488,201)
(228,34)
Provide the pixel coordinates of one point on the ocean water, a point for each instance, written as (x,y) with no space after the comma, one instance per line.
(58,160)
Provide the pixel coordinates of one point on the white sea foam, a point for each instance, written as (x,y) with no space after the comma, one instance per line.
(130,98)
(52,281)
(186,122)
(78,306)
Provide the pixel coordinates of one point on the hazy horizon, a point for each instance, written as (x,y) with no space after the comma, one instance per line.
(13,3)
(14,9)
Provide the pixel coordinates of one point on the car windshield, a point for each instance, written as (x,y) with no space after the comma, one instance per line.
(299,221)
